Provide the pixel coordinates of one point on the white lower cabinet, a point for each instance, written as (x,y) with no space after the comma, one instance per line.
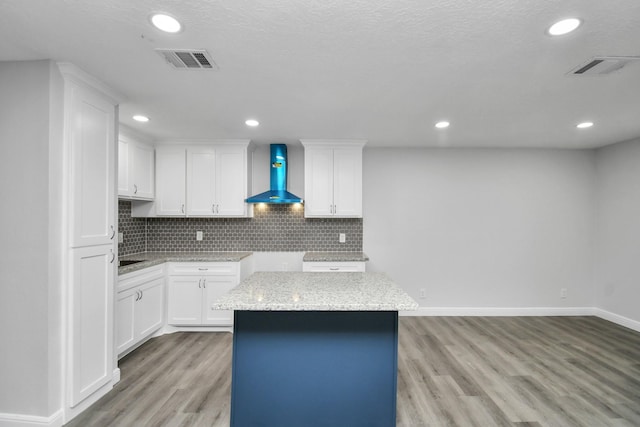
(194,287)
(90,319)
(341,266)
(139,307)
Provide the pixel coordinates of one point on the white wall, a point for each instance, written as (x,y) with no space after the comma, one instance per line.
(618,230)
(24,234)
(482,227)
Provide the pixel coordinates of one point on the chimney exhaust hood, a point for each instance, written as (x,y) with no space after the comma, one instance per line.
(278,192)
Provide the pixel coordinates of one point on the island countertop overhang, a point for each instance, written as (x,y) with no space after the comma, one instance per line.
(305,291)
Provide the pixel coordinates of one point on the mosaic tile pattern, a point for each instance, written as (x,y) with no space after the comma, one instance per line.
(134,229)
(274,228)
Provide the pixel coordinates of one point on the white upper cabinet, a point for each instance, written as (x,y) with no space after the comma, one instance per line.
(170,179)
(333,178)
(231,187)
(90,130)
(136,170)
(201,181)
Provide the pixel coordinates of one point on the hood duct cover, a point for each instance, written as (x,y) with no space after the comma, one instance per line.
(278,192)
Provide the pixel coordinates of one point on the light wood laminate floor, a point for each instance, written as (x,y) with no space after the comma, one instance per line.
(452,371)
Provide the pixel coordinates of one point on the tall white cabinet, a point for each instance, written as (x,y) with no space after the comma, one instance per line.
(89,132)
(333,178)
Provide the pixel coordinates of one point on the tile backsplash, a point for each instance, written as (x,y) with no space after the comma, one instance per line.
(273,228)
(134,230)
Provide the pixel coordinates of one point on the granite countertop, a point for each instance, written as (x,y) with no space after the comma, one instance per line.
(154,258)
(298,291)
(335,257)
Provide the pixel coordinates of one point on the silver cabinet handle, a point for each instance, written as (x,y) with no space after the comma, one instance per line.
(141,295)
(204,283)
(334,268)
(183,208)
(213,208)
(203,269)
(113,256)
(199,283)
(217,209)
(137,295)
(113,233)
(135,189)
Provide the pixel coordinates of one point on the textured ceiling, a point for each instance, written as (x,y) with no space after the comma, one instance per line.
(384,71)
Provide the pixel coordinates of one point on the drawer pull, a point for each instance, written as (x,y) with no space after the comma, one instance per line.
(203,269)
(334,268)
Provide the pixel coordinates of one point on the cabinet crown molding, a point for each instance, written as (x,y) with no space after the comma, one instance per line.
(334,142)
(74,73)
(186,142)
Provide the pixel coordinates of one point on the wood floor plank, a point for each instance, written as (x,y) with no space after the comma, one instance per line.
(452,371)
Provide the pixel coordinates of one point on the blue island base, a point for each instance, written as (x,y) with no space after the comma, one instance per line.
(314,368)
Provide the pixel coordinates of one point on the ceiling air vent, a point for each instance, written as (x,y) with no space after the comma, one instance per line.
(603,65)
(196,59)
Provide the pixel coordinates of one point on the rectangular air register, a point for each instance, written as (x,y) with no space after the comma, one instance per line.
(601,65)
(195,59)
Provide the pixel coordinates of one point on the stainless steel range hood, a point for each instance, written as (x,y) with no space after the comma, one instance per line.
(278,192)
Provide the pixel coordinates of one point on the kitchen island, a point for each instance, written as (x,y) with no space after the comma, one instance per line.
(315,349)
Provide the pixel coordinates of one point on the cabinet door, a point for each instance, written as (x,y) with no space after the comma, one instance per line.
(125,307)
(91,320)
(90,130)
(231,181)
(318,182)
(142,172)
(148,314)
(123,168)
(170,180)
(201,176)
(347,182)
(185,300)
(214,287)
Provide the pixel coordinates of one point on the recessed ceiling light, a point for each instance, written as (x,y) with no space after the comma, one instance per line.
(584,125)
(563,27)
(442,125)
(252,123)
(140,118)
(165,23)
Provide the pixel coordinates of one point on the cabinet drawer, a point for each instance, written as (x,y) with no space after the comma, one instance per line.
(333,267)
(203,269)
(135,278)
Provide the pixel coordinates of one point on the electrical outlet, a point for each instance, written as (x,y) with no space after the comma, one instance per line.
(120,237)
(198,235)
(563,293)
(342,238)
(423,293)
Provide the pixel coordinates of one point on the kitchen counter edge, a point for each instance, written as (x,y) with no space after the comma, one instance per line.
(335,257)
(149,259)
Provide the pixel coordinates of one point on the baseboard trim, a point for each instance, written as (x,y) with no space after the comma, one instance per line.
(500,311)
(617,319)
(170,329)
(525,311)
(18,420)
